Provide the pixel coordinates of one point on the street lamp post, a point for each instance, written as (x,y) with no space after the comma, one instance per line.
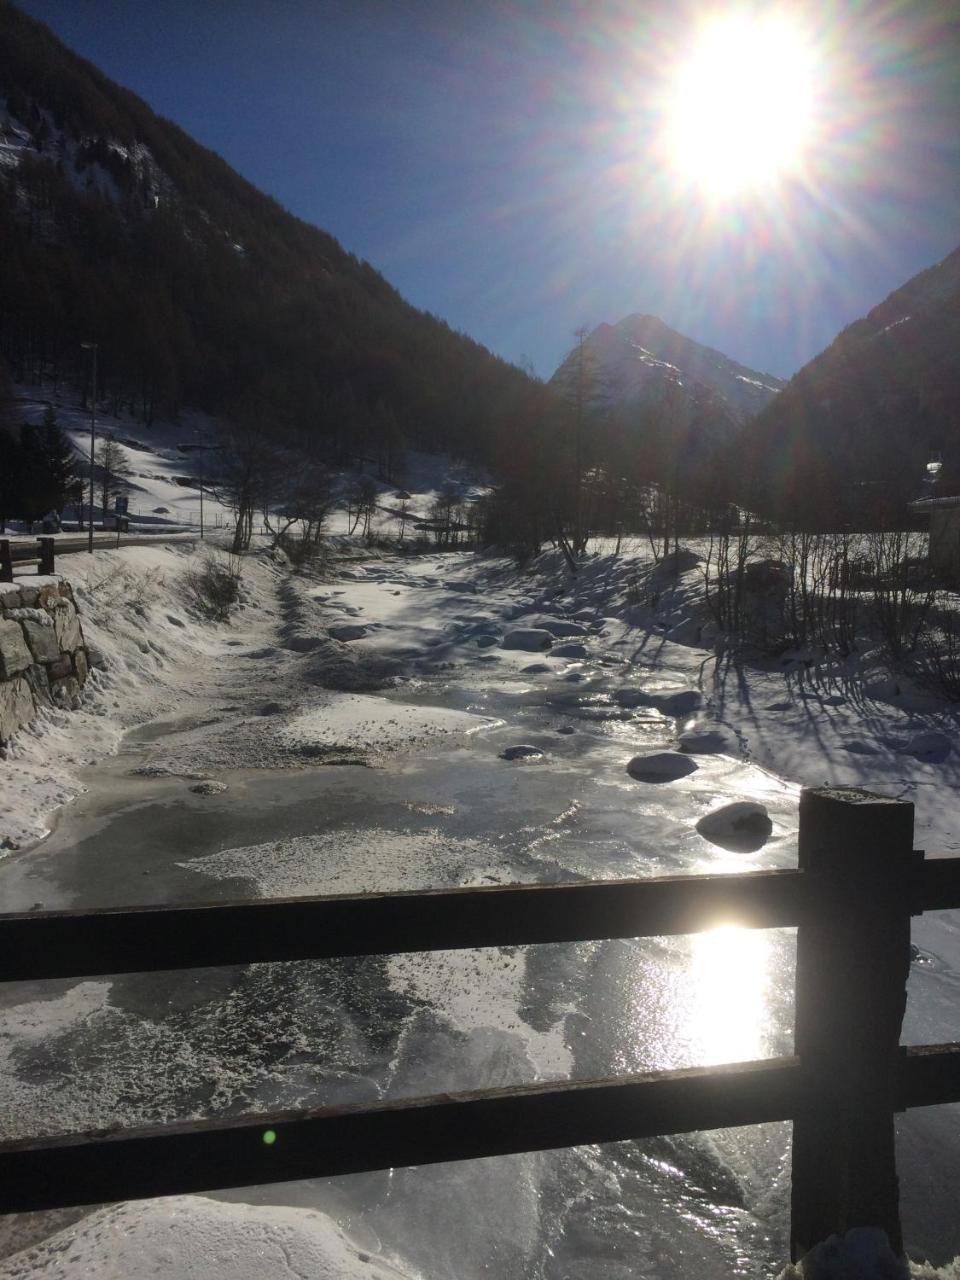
(92,346)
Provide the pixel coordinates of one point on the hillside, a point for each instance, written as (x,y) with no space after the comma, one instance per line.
(200,290)
(853,429)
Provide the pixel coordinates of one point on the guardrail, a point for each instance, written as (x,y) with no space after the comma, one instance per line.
(858,883)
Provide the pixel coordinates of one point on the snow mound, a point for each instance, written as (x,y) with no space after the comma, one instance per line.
(864,1253)
(360,722)
(531,639)
(741,827)
(208,788)
(662,766)
(191,1237)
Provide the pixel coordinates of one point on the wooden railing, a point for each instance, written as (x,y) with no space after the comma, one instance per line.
(23,552)
(851,899)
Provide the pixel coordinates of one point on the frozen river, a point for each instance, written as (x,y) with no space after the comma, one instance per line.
(422,796)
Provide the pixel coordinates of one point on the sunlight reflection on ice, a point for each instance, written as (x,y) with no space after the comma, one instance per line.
(729,981)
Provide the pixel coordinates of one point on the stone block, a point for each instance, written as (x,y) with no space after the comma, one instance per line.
(80,666)
(42,642)
(11,597)
(60,668)
(39,682)
(64,690)
(16,707)
(14,654)
(66,625)
(30,596)
(49,595)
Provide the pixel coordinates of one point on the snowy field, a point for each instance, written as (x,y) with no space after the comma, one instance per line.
(487,726)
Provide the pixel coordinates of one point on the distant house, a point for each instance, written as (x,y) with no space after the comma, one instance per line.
(944,553)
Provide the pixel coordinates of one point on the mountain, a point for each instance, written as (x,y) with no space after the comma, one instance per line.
(118,228)
(641,361)
(853,429)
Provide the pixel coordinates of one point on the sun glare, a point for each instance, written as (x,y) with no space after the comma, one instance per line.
(739,109)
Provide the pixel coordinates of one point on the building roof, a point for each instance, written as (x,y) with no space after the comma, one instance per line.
(927,504)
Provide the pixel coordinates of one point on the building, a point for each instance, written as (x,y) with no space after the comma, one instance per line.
(944,516)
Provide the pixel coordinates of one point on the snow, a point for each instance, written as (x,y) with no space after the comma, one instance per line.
(193,1238)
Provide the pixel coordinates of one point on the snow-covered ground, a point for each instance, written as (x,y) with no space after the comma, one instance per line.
(424,711)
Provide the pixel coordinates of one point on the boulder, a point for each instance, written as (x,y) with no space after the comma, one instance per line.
(662,766)
(569,651)
(531,639)
(560,627)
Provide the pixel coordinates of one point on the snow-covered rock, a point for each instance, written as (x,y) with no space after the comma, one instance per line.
(741,827)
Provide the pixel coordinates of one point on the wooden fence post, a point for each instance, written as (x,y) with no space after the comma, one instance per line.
(6,561)
(853,959)
(46,556)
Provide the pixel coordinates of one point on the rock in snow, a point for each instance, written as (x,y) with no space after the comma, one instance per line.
(741,827)
(523,751)
(569,651)
(532,639)
(558,627)
(346,631)
(662,766)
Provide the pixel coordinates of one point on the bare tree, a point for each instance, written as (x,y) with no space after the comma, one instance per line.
(114,470)
(251,470)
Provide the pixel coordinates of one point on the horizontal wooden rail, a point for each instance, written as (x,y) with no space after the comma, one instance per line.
(62,944)
(193,1156)
(65,944)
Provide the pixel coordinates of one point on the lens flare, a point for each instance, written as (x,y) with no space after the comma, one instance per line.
(739,110)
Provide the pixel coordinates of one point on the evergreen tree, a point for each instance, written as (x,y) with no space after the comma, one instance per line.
(59,460)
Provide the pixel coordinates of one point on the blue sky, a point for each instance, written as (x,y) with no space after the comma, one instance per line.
(495,159)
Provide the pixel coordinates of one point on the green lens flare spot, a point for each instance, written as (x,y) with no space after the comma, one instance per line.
(269,1137)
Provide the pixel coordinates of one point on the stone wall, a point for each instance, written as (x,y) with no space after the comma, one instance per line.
(43,660)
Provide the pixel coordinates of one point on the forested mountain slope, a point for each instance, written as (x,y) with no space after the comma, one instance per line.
(853,429)
(116,227)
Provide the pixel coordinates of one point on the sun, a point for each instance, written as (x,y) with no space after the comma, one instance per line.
(738,111)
